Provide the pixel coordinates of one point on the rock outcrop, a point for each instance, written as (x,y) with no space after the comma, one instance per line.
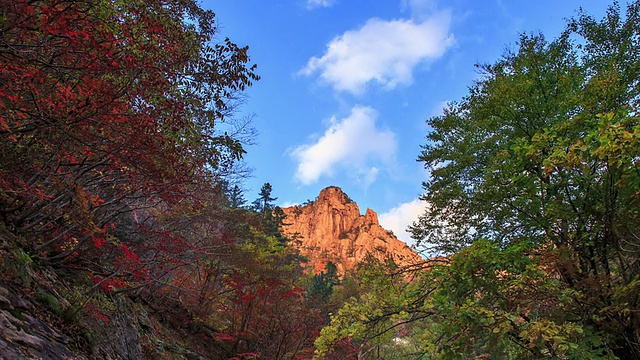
(332,229)
(24,336)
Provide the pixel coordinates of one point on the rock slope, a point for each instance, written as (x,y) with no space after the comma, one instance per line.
(332,229)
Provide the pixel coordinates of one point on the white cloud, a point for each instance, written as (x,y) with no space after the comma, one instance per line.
(350,144)
(287,204)
(400,217)
(385,52)
(312,4)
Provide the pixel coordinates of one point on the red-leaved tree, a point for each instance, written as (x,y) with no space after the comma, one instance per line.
(109,111)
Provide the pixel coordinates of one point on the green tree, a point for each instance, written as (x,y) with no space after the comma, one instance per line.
(236,197)
(544,151)
(264,202)
(321,285)
(272,216)
(378,323)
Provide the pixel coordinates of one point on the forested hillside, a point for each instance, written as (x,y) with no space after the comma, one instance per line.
(125,233)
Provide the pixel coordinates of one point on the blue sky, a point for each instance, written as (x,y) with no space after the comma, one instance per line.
(348,84)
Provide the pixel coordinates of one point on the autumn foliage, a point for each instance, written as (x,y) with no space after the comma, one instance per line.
(117,138)
(107,109)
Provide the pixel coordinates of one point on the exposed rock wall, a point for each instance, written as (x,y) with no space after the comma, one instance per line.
(332,229)
(24,336)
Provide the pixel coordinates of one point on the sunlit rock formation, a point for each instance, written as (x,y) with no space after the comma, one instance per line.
(331,228)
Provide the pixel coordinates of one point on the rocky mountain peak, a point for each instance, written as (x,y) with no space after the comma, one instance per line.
(371,217)
(334,195)
(333,229)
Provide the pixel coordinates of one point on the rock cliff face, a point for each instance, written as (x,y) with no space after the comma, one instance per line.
(332,229)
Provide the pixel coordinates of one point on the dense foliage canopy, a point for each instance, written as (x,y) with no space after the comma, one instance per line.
(108,108)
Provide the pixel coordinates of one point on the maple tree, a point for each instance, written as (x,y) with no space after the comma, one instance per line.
(267,314)
(109,109)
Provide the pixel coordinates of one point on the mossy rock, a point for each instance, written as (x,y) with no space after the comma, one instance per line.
(51,302)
